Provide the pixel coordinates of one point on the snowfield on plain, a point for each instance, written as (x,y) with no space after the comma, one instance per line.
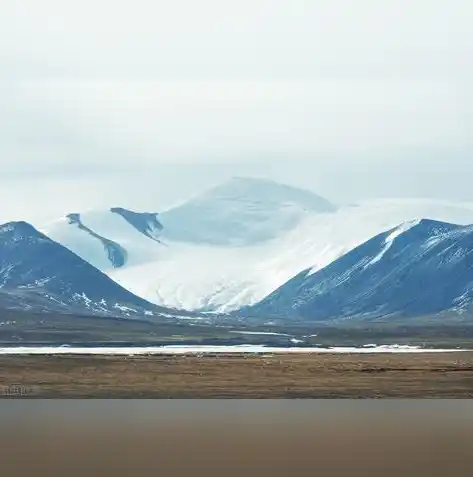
(235,244)
(183,349)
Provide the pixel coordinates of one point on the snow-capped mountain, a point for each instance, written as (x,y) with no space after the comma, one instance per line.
(37,272)
(206,234)
(235,244)
(419,268)
(195,276)
(241,212)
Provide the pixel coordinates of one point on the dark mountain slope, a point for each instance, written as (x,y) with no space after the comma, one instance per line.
(419,268)
(36,272)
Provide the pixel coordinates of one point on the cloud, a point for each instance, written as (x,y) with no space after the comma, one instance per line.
(100,86)
(156,122)
(210,38)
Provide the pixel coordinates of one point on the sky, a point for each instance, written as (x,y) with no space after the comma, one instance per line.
(148,102)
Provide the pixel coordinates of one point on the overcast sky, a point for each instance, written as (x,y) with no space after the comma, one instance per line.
(147,101)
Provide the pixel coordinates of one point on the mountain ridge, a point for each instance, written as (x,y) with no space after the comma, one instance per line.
(223,274)
(421,267)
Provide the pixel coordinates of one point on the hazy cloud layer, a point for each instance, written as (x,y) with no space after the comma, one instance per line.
(308,91)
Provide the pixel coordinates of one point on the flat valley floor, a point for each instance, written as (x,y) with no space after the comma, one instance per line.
(409,375)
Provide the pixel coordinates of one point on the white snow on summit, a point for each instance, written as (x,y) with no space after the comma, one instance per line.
(241,212)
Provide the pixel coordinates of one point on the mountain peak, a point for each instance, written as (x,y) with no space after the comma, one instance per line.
(251,182)
(242,211)
(254,188)
(421,227)
(20,228)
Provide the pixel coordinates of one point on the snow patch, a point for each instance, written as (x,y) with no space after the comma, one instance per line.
(124,308)
(391,238)
(83,297)
(265,333)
